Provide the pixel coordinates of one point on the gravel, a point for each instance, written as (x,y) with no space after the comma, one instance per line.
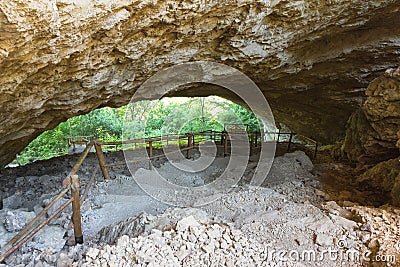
(246,227)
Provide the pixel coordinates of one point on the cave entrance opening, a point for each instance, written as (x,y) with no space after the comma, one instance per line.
(167,116)
(164,117)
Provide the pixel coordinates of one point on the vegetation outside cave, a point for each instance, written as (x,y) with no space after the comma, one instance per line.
(106,124)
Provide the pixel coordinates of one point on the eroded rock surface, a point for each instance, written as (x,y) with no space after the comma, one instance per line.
(242,228)
(385,178)
(312,59)
(374,129)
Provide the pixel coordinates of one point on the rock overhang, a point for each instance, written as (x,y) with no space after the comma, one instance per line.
(312,59)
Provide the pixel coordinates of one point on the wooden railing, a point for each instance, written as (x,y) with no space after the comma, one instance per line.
(307,143)
(71,182)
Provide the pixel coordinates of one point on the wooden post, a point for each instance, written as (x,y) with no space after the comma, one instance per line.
(225,138)
(150,148)
(316,150)
(102,162)
(188,152)
(290,141)
(251,144)
(76,209)
(256,139)
(279,134)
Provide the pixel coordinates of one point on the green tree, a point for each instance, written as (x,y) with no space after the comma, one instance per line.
(154,118)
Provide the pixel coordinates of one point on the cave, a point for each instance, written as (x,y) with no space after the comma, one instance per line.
(328,69)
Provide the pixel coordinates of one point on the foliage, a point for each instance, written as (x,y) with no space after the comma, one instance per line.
(152,118)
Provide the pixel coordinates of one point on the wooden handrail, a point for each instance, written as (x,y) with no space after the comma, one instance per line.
(72,179)
(34,231)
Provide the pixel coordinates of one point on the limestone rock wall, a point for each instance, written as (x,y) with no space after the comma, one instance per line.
(383,178)
(312,59)
(373,130)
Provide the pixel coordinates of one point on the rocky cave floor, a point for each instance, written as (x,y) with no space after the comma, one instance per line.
(303,208)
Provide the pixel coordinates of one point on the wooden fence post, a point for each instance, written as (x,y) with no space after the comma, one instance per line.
(279,134)
(290,141)
(150,153)
(76,209)
(150,148)
(315,151)
(225,139)
(251,144)
(188,152)
(102,162)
